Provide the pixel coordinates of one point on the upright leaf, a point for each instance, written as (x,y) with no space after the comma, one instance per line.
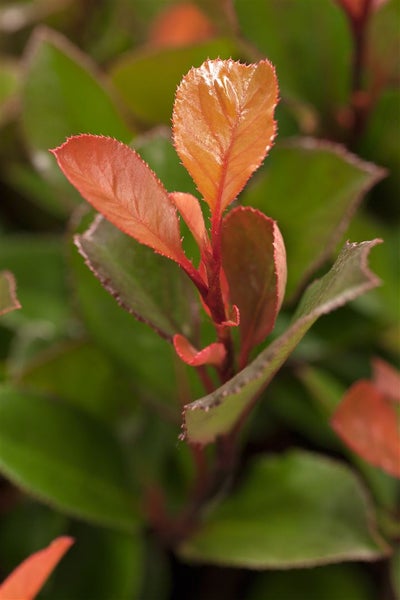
(216,414)
(254,261)
(293,510)
(29,577)
(8,295)
(116,181)
(223,125)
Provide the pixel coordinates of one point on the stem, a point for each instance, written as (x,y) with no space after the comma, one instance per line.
(359,108)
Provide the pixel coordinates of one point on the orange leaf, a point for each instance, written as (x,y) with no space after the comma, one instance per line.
(180,25)
(30,576)
(120,185)
(189,208)
(223,125)
(367,423)
(214,354)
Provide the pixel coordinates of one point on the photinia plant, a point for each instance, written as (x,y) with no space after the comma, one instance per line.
(223,128)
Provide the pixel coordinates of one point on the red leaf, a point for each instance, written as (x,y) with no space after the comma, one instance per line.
(180,25)
(29,577)
(121,186)
(386,379)
(189,208)
(254,261)
(214,354)
(366,422)
(223,125)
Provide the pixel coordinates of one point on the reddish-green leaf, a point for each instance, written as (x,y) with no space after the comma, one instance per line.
(386,379)
(216,414)
(367,423)
(254,261)
(223,125)
(8,295)
(29,577)
(120,185)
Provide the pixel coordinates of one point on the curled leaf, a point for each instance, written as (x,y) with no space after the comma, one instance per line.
(29,577)
(254,261)
(223,125)
(367,423)
(214,354)
(121,186)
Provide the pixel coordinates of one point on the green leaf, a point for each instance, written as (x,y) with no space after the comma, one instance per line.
(8,296)
(151,96)
(9,86)
(102,564)
(332,582)
(294,510)
(277,28)
(147,285)
(217,413)
(63,95)
(312,190)
(64,458)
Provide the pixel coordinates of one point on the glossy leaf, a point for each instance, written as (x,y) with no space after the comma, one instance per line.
(217,413)
(223,125)
(366,421)
(8,293)
(29,577)
(254,261)
(65,458)
(145,284)
(180,25)
(311,187)
(137,76)
(116,181)
(293,510)
(63,90)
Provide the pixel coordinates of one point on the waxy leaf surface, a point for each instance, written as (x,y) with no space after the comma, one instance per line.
(145,284)
(294,510)
(254,261)
(217,413)
(65,458)
(30,576)
(223,125)
(8,296)
(312,190)
(119,184)
(367,423)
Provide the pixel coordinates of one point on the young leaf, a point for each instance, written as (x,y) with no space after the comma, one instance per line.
(145,284)
(8,295)
(367,423)
(30,576)
(254,261)
(190,210)
(223,125)
(116,181)
(293,510)
(214,354)
(217,413)
(387,379)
